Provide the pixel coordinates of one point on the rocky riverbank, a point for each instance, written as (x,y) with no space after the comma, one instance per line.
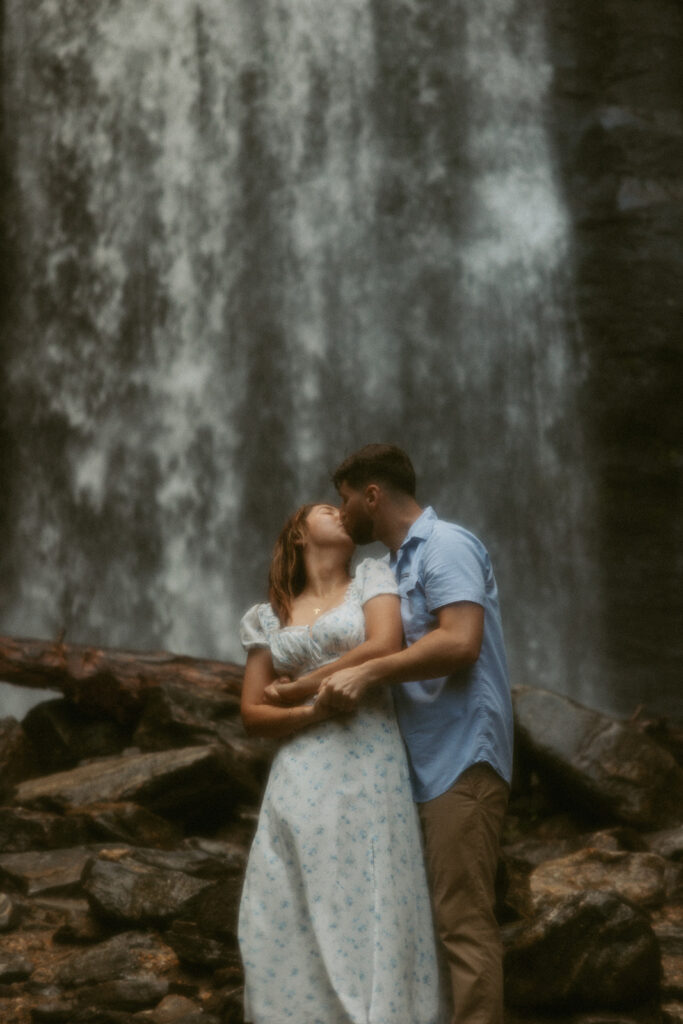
(123,840)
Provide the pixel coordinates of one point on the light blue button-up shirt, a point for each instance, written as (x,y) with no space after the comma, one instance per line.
(453,722)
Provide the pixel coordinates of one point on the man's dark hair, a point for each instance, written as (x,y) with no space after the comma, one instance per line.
(377,463)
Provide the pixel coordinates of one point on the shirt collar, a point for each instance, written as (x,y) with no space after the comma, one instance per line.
(419,530)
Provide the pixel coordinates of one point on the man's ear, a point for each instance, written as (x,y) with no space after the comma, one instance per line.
(371,495)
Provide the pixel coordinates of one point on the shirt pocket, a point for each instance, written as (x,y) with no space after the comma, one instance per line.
(416,618)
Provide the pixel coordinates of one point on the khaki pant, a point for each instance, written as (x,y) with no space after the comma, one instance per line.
(462,830)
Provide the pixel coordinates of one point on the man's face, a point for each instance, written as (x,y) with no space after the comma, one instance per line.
(355,516)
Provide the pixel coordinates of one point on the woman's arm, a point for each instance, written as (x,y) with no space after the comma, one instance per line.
(261,719)
(383,635)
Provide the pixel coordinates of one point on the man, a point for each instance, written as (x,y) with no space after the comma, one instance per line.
(452,699)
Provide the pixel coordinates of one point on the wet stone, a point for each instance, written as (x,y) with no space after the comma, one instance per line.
(191,784)
(128,822)
(129,994)
(43,872)
(598,762)
(123,955)
(638,877)
(8,913)
(174,1009)
(53,1011)
(14,968)
(195,948)
(134,893)
(23,830)
(667,843)
(591,950)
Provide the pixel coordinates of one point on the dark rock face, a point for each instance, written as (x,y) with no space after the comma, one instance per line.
(21,829)
(132,894)
(181,783)
(54,872)
(17,754)
(616,119)
(589,950)
(114,913)
(604,764)
(130,952)
(62,735)
(177,717)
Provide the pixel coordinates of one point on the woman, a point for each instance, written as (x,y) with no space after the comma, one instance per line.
(335,925)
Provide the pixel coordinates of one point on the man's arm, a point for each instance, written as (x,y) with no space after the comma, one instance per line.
(453,645)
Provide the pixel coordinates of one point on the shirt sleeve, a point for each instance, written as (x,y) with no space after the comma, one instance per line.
(455,568)
(252,633)
(374,577)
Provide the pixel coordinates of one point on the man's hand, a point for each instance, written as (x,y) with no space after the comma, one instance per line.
(345,689)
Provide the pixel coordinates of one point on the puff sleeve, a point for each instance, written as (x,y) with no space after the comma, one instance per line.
(374,577)
(252,633)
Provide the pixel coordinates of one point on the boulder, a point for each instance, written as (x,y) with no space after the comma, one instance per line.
(135,993)
(9,915)
(672,976)
(194,948)
(133,893)
(191,783)
(53,1009)
(127,954)
(56,872)
(63,735)
(22,830)
(594,761)
(192,861)
(591,950)
(233,855)
(672,1012)
(78,926)
(667,843)
(180,716)
(215,909)
(14,968)
(17,755)
(177,715)
(637,877)
(129,823)
(175,1009)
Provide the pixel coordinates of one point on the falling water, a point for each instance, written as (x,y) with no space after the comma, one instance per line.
(250,236)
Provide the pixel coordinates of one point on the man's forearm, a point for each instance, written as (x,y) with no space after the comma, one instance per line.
(436,654)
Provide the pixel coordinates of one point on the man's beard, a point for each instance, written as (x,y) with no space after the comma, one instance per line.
(361,532)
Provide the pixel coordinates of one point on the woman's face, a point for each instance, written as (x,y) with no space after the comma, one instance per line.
(324,528)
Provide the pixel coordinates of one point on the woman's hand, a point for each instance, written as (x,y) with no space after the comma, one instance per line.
(283,691)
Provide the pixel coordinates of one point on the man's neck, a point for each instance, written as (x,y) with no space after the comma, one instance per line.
(393,526)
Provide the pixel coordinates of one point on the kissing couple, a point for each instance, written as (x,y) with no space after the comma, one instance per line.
(369,890)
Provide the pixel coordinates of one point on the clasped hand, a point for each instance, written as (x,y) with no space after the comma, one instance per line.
(341,690)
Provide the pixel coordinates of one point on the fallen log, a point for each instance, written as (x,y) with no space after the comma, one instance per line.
(105,679)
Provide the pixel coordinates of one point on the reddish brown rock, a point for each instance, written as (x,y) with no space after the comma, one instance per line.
(590,950)
(598,763)
(128,954)
(187,783)
(637,877)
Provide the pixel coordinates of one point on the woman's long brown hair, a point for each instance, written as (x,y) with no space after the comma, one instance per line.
(287,576)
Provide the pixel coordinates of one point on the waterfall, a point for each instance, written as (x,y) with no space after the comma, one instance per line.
(251,235)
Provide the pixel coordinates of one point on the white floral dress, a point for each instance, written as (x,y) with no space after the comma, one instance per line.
(335,924)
